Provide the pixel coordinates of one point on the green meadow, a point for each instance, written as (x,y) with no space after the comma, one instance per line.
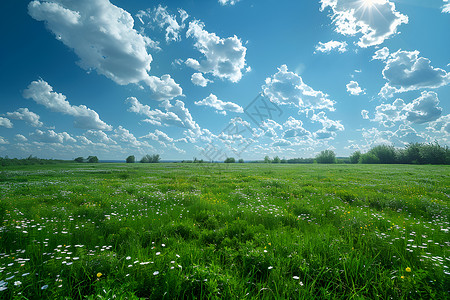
(224,231)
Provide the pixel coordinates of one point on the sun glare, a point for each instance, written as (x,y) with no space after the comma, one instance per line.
(369,3)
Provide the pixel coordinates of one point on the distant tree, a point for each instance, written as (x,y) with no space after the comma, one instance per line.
(229,160)
(276,160)
(79,159)
(155,158)
(267,159)
(131,159)
(354,158)
(284,161)
(326,157)
(369,158)
(92,159)
(433,154)
(241,160)
(386,154)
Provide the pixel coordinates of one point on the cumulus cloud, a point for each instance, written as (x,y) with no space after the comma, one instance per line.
(327,47)
(164,20)
(406,71)
(375,20)
(50,136)
(389,114)
(365,114)
(20,138)
(102,36)
(99,137)
(327,124)
(123,135)
(294,129)
(224,58)
(286,87)
(6,122)
(25,115)
(424,109)
(220,105)
(381,54)
(329,127)
(42,93)
(441,125)
(3,141)
(354,89)
(200,80)
(159,136)
(175,115)
(446,7)
(228,2)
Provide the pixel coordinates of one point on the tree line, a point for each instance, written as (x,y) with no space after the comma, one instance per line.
(30,160)
(147,159)
(417,153)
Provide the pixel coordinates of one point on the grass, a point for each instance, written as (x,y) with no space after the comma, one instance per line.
(216,231)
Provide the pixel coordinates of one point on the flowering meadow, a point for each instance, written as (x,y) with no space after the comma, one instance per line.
(224,231)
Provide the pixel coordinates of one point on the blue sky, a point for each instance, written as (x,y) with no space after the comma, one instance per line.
(217,78)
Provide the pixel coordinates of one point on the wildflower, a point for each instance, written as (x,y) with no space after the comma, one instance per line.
(128,258)
(44,287)
(402,277)
(408,269)
(99,275)
(16,283)
(296,277)
(156,273)
(270,268)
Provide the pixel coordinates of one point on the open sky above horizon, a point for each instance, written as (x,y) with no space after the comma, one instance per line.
(217,78)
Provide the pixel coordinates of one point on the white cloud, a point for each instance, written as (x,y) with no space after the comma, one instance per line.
(5,122)
(163,19)
(85,118)
(375,20)
(174,115)
(327,47)
(98,136)
(406,71)
(441,125)
(287,87)
(3,141)
(424,109)
(281,143)
(159,136)
(220,105)
(228,2)
(20,138)
(50,136)
(421,110)
(354,89)
(102,36)
(389,114)
(294,128)
(27,116)
(125,136)
(200,80)
(365,114)
(225,58)
(381,54)
(446,7)
(327,124)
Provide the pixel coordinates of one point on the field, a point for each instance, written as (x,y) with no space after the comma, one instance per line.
(235,231)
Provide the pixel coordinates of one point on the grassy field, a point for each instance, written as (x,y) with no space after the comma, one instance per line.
(241,231)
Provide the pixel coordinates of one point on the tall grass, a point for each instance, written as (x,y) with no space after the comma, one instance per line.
(244,231)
